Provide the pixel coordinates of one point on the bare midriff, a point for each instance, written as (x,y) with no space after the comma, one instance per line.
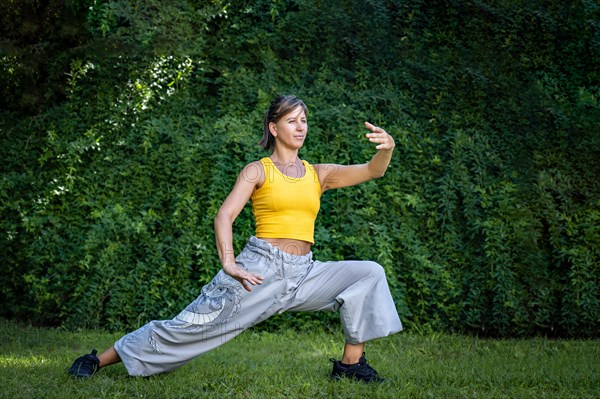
(289,245)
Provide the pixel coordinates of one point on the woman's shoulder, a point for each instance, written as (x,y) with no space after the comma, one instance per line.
(254,172)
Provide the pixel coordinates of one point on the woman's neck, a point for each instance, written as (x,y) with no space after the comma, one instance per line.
(284,156)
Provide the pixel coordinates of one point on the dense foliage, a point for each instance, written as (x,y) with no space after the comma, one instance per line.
(124,125)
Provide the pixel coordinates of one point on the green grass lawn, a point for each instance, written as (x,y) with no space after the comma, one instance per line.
(33,363)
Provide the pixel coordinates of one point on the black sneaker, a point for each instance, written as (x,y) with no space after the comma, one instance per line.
(360,371)
(85,366)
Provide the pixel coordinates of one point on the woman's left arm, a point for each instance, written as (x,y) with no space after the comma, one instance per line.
(337,176)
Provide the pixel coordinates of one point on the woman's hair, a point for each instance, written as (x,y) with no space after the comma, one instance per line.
(280,106)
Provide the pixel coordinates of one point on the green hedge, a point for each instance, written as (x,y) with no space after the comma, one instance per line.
(487,222)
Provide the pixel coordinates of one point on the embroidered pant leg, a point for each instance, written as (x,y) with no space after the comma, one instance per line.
(222,311)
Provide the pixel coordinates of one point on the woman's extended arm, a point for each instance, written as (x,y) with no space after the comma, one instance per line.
(249,178)
(337,176)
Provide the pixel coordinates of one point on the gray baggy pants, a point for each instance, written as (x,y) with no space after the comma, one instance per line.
(358,289)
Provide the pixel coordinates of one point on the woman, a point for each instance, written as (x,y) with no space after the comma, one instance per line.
(275,271)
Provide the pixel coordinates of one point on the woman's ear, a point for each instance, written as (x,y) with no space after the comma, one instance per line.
(273,129)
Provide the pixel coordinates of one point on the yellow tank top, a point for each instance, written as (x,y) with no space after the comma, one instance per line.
(286,207)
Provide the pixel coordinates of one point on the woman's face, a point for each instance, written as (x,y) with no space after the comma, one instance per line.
(291,129)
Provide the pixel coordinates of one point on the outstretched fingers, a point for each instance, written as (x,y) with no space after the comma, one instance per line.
(380,137)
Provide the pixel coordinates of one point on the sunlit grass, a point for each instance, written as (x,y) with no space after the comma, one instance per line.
(291,364)
(25,361)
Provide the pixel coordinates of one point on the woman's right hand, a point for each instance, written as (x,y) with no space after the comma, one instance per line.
(245,278)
